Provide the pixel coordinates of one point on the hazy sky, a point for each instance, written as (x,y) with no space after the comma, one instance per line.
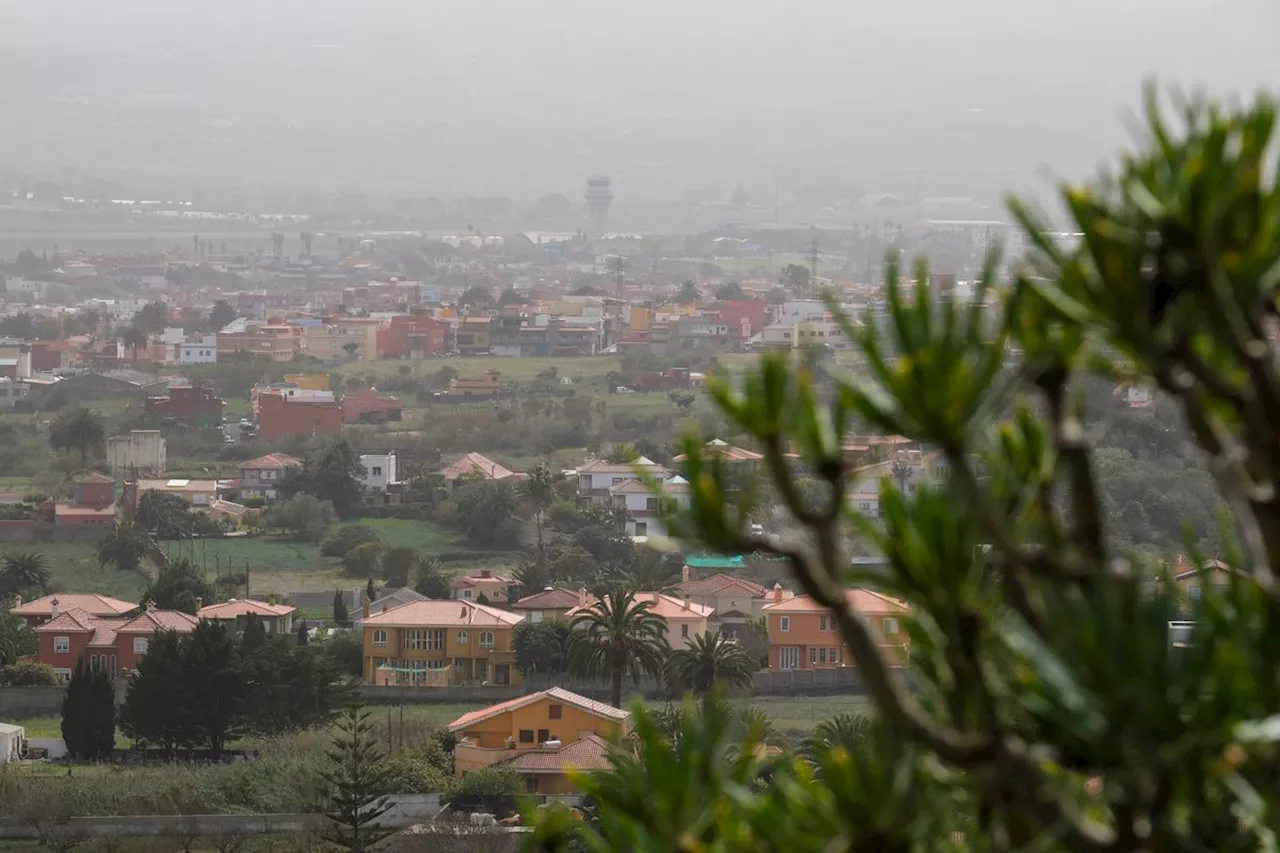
(525,97)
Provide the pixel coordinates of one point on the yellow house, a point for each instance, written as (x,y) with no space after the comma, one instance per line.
(439,643)
(542,736)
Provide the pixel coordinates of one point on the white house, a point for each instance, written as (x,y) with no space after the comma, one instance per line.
(141,452)
(11,739)
(595,479)
(198,349)
(379,470)
(11,391)
(646,511)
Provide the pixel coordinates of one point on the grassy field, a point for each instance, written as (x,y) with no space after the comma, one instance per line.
(276,565)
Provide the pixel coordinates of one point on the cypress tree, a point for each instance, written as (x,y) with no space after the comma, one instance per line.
(341,618)
(89,713)
(255,634)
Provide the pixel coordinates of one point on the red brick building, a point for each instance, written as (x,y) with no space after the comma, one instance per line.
(412,336)
(279,417)
(367,407)
(756,312)
(185,403)
(114,645)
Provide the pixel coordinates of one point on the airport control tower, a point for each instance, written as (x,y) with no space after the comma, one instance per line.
(599,197)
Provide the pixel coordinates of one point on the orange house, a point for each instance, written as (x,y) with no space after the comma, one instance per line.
(803,633)
(542,736)
(432,643)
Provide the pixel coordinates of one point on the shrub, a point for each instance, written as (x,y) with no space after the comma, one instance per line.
(28,673)
(346,538)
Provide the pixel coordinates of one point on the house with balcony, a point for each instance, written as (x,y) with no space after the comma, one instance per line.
(235,613)
(803,634)
(259,477)
(439,643)
(542,736)
(111,644)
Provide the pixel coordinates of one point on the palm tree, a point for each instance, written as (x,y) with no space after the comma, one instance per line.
(902,473)
(710,659)
(135,339)
(540,492)
(124,546)
(16,640)
(23,571)
(77,429)
(654,571)
(688,292)
(618,637)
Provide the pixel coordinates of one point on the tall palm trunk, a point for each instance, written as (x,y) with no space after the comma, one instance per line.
(615,694)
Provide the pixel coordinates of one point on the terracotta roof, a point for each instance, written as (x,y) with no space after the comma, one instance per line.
(558,694)
(715,448)
(551,598)
(604,466)
(473,463)
(455,613)
(91,603)
(69,620)
(151,621)
(718,584)
(861,600)
(272,460)
(669,607)
(588,753)
(477,580)
(233,608)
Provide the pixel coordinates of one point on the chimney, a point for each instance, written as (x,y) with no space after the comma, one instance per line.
(151,605)
(685,603)
(684,573)
(17,600)
(777,592)
(582,596)
(199,604)
(386,605)
(53,608)
(485,573)
(364,606)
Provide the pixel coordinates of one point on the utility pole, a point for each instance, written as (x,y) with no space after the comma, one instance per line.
(618,265)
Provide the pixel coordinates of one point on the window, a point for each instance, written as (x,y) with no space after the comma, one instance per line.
(555,712)
(459,665)
(531,784)
(822,623)
(813,656)
(140,645)
(429,640)
(482,669)
(784,623)
(526,735)
(61,645)
(486,639)
(466,593)
(651,504)
(684,630)
(377,472)
(833,657)
(822,655)
(617,480)
(535,616)
(890,626)
(642,528)
(462,638)
(544,735)
(379,638)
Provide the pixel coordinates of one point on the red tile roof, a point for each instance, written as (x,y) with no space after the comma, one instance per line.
(591,752)
(558,694)
(861,600)
(91,603)
(151,621)
(271,460)
(722,584)
(551,598)
(455,613)
(669,607)
(235,608)
(475,463)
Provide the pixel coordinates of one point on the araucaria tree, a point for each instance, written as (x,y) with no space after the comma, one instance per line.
(89,713)
(358,781)
(618,638)
(1051,708)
